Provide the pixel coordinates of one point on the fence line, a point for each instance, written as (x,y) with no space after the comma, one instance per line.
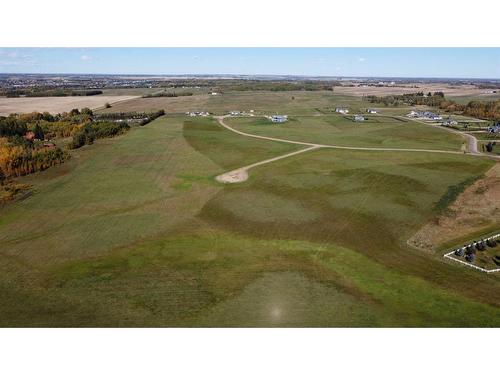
(448,255)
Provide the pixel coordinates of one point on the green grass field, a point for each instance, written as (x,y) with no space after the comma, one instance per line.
(339,130)
(134,231)
(266,102)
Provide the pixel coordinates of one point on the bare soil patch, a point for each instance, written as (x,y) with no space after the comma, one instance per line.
(476,209)
(56,104)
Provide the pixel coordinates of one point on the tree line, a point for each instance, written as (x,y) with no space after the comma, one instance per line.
(15,93)
(168,94)
(487,110)
(89,132)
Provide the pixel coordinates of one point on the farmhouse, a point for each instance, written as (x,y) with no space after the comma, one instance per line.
(424,115)
(449,122)
(279,118)
(235,113)
(197,113)
(341,110)
(359,118)
(371,110)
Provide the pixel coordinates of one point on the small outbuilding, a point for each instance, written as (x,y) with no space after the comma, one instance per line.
(359,118)
(371,110)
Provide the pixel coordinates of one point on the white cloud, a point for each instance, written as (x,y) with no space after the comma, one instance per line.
(361,59)
(85,57)
(16,58)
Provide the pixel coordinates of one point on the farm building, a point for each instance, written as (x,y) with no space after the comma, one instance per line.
(371,110)
(449,122)
(197,113)
(341,110)
(359,118)
(424,115)
(235,113)
(279,118)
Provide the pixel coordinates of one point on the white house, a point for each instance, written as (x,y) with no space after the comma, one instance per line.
(279,118)
(341,110)
(359,118)
(197,113)
(235,113)
(425,115)
(449,122)
(371,110)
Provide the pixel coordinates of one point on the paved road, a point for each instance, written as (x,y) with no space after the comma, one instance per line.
(241,174)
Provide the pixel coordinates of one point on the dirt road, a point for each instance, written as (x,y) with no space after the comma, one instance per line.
(471,140)
(241,174)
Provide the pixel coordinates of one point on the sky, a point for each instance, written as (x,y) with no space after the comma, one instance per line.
(347,62)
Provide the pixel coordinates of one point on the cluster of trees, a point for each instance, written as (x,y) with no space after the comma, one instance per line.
(10,127)
(221,85)
(168,94)
(45,125)
(283,86)
(22,146)
(87,133)
(489,110)
(125,115)
(20,158)
(418,98)
(15,93)
(485,110)
(151,117)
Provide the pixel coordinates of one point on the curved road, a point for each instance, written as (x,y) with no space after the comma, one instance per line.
(241,174)
(471,140)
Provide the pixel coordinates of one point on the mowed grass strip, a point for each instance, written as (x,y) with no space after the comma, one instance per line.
(227,149)
(220,279)
(109,194)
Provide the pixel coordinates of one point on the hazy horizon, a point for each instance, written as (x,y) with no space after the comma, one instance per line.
(412,63)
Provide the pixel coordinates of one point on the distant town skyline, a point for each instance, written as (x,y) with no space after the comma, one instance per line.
(478,63)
